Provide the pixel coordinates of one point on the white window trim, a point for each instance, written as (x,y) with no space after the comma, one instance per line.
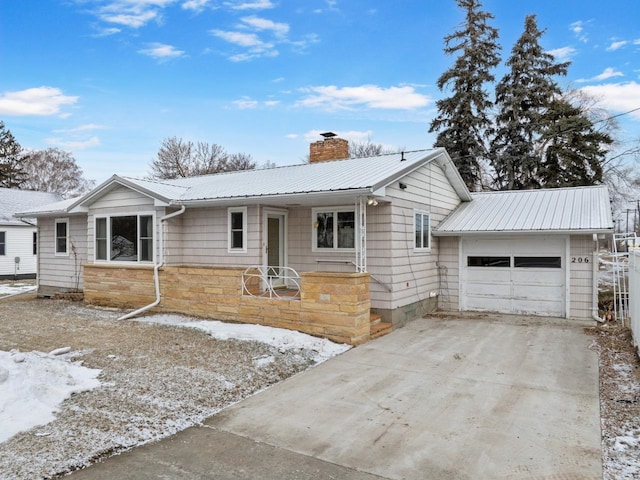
(125,262)
(55,237)
(413,220)
(245,232)
(314,226)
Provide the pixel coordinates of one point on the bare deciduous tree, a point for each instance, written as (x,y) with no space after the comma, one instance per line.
(179,158)
(54,170)
(367,149)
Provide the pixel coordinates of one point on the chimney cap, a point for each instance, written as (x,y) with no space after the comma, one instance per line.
(328,134)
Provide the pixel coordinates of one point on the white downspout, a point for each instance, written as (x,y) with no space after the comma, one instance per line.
(156,267)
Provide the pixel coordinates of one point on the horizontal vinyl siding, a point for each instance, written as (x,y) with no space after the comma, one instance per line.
(581,276)
(449,273)
(18,243)
(415,273)
(64,272)
(204,238)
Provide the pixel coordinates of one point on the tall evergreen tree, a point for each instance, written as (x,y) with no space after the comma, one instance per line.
(523,97)
(11,173)
(574,151)
(462,121)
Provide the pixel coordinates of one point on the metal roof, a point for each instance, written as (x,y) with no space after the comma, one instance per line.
(370,173)
(557,210)
(352,176)
(13,201)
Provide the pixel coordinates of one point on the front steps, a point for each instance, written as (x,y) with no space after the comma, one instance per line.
(378,327)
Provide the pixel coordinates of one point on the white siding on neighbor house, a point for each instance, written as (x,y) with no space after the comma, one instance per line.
(18,243)
(580,264)
(121,201)
(413,275)
(62,271)
(204,238)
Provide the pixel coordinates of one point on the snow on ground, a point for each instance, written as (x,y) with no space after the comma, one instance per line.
(33,385)
(7,289)
(283,340)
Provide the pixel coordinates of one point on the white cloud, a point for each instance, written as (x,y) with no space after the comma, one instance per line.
(271,103)
(608,73)
(616,45)
(618,97)
(246,103)
(255,5)
(351,135)
(578,30)
(562,53)
(279,29)
(34,101)
(332,97)
(195,5)
(161,52)
(106,32)
(82,128)
(132,13)
(74,144)
(255,46)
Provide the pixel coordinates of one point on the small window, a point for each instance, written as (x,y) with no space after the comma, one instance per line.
(422,233)
(489,262)
(334,229)
(62,237)
(237,224)
(101,239)
(146,238)
(35,243)
(537,262)
(3,243)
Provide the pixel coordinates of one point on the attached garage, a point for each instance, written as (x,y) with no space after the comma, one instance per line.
(515,275)
(530,252)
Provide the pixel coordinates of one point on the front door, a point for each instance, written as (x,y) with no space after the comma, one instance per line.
(275,246)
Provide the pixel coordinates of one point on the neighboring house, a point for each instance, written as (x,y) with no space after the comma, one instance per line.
(315,247)
(18,237)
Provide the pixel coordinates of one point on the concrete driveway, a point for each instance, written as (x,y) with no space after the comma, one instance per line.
(481,397)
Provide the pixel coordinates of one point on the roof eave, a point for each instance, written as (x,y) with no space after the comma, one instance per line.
(585,231)
(294,197)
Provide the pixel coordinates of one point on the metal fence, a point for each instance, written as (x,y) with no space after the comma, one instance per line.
(634,296)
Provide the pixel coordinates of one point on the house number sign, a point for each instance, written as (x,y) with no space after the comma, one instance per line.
(580,260)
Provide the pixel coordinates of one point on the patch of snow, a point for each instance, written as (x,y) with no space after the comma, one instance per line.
(15,288)
(34,385)
(280,338)
(258,362)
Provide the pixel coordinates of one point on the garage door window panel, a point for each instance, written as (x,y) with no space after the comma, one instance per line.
(481,261)
(537,262)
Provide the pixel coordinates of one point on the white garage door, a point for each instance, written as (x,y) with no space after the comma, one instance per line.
(524,275)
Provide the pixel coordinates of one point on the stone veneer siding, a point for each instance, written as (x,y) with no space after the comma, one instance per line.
(332,305)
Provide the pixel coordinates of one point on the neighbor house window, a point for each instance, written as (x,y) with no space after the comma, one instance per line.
(3,243)
(124,238)
(35,243)
(237,227)
(334,229)
(62,236)
(422,231)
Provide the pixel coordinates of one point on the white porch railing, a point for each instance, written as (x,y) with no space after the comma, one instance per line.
(271,282)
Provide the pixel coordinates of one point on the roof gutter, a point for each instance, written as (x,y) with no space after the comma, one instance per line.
(156,268)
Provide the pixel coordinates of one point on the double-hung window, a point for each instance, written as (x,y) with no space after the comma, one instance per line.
(3,243)
(124,238)
(422,231)
(237,228)
(335,229)
(62,236)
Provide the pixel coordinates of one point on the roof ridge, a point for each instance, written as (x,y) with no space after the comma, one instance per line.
(548,189)
(156,181)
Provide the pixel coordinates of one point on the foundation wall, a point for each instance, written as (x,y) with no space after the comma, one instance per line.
(331,305)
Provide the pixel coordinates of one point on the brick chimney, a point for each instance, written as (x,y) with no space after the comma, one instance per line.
(331,148)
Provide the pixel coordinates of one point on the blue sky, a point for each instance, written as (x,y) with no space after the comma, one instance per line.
(108,79)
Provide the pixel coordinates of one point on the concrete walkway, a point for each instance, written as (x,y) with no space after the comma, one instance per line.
(442,398)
